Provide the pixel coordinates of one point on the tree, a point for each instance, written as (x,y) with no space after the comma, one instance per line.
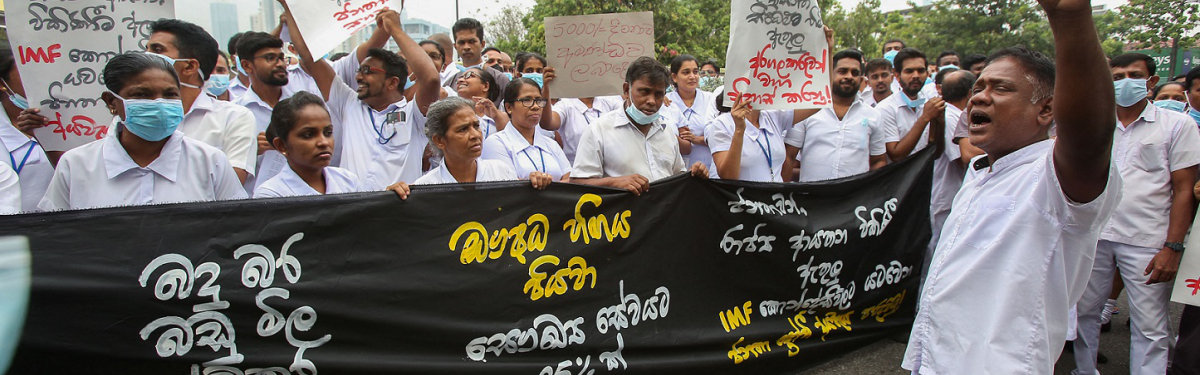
(861,28)
(1158,23)
(508,28)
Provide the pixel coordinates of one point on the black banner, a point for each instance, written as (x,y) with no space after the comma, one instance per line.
(693,277)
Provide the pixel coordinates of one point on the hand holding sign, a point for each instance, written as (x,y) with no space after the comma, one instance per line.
(327,23)
(595,50)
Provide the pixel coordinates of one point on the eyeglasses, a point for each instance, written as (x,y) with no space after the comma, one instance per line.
(708,73)
(529,102)
(367,70)
(271,58)
(435,56)
(471,74)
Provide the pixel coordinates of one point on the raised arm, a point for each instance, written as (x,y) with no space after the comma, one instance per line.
(320,70)
(1083,101)
(428,79)
(550,119)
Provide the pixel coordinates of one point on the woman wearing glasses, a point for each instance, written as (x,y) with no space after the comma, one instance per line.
(520,146)
(453,128)
(480,87)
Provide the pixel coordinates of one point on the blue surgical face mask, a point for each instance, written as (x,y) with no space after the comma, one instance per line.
(1171,105)
(238,61)
(408,83)
(640,118)
(172,62)
(914,104)
(218,84)
(1130,91)
(16,98)
(152,120)
(536,77)
(891,56)
(1195,115)
(509,75)
(704,81)
(948,66)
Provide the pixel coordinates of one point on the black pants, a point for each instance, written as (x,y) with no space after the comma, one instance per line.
(1186,359)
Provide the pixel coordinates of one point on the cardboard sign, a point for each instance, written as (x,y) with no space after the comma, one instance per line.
(591,53)
(777,56)
(61,48)
(327,23)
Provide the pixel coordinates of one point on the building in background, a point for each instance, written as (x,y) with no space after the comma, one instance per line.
(224,17)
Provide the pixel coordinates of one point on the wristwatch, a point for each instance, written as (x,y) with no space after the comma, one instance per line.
(1177,246)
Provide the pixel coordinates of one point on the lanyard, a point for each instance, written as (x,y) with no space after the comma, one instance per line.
(487,129)
(540,154)
(766,150)
(378,130)
(18,167)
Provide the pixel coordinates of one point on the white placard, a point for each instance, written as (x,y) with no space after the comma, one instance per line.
(327,23)
(591,53)
(778,55)
(1187,281)
(61,48)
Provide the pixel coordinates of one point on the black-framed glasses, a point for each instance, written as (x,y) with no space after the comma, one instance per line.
(271,58)
(471,74)
(529,102)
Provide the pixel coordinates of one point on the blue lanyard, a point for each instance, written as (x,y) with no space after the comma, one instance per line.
(487,129)
(540,154)
(378,130)
(21,166)
(766,150)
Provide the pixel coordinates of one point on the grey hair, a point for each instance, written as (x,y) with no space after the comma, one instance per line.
(439,113)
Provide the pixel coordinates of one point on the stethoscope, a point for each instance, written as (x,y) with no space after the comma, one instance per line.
(378,129)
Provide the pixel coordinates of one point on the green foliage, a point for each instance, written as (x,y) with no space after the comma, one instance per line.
(1155,23)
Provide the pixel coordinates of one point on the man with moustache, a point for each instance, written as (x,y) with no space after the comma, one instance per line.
(841,141)
(879,82)
(905,115)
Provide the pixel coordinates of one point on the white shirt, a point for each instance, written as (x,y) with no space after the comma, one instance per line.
(236,89)
(832,148)
(1014,256)
(485,171)
(897,119)
(947,172)
(510,147)
(696,118)
(226,126)
(929,89)
(380,153)
(1146,152)
(101,174)
(36,173)
(448,74)
(10,192)
(288,184)
(271,161)
(576,117)
(868,97)
(613,147)
(762,147)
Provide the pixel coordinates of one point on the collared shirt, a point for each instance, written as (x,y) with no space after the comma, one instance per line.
(485,171)
(271,161)
(1146,152)
(832,148)
(102,174)
(762,146)
(288,184)
(236,89)
(381,153)
(696,118)
(510,147)
(226,126)
(576,117)
(35,172)
(10,192)
(929,90)
(448,74)
(613,147)
(1014,256)
(947,172)
(868,97)
(896,119)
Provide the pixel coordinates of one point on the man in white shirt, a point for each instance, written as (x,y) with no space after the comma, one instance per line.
(905,115)
(1019,243)
(841,141)
(1156,152)
(879,82)
(629,149)
(224,125)
(380,136)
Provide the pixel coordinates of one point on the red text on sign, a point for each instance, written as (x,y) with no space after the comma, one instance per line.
(39,55)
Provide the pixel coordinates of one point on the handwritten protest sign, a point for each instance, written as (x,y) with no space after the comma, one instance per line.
(61,47)
(327,23)
(591,53)
(777,55)
(1187,281)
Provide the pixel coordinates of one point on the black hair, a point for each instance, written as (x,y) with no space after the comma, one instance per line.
(647,67)
(955,90)
(1037,66)
(946,53)
(253,41)
(942,73)
(1168,83)
(1127,59)
(1192,76)
(231,46)
(524,58)
(121,69)
(493,93)
(467,24)
(851,54)
(876,64)
(971,59)
(1178,76)
(721,107)
(908,54)
(716,68)
(393,64)
(513,90)
(7,62)
(191,41)
(441,50)
(890,41)
(677,62)
(286,113)
(338,56)
(489,49)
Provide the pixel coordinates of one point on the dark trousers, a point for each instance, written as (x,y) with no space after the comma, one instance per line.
(1187,349)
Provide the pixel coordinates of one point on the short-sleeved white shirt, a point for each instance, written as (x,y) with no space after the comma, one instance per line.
(35,175)
(1014,256)
(288,184)
(1146,152)
(101,174)
(485,171)
(510,147)
(696,118)
(380,153)
(947,172)
(868,97)
(832,148)
(10,192)
(576,117)
(763,152)
(613,147)
(897,119)
(271,161)
(236,90)
(226,126)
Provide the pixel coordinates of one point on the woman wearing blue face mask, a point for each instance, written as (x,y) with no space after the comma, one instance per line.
(21,152)
(1171,96)
(531,65)
(218,83)
(146,161)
